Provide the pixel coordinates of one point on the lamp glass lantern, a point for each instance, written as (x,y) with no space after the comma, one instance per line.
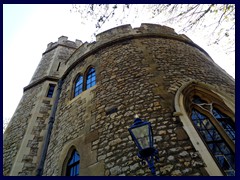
(141,133)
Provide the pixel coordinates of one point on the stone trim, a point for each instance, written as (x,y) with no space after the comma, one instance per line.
(211,166)
(125,38)
(54,47)
(46,78)
(88,157)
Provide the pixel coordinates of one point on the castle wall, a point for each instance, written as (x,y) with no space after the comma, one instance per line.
(24,136)
(138,71)
(53,60)
(137,75)
(14,134)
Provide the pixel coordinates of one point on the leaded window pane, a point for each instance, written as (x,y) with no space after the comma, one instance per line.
(225,122)
(216,144)
(91,78)
(73,164)
(78,86)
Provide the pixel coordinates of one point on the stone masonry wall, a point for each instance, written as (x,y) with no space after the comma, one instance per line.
(24,136)
(17,127)
(138,71)
(43,66)
(56,52)
(135,76)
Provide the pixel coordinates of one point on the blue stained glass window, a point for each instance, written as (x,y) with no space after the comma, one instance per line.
(73,164)
(217,145)
(91,78)
(78,86)
(225,122)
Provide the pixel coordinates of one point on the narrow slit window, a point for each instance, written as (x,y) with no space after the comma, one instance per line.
(50,90)
(59,64)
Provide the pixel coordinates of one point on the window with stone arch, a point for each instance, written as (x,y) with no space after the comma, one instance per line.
(73,163)
(90,78)
(78,86)
(85,82)
(215,124)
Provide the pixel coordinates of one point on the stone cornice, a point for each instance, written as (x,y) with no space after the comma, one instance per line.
(35,83)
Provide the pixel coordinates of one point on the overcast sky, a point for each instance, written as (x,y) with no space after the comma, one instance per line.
(27,29)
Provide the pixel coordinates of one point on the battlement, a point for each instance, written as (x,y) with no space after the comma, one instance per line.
(63,40)
(150,70)
(128,30)
(124,32)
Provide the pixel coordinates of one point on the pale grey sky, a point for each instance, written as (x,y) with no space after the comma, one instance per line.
(27,29)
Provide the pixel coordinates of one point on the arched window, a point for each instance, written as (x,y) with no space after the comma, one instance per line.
(84,82)
(91,78)
(216,129)
(78,86)
(73,164)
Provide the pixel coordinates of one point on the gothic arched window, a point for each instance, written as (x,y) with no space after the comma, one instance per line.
(216,129)
(78,86)
(91,78)
(73,164)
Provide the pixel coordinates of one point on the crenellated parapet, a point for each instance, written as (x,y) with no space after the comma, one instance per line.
(126,32)
(63,41)
(83,96)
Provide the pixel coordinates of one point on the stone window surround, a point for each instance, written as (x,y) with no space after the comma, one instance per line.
(211,166)
(68,156)
(84,80)
(49,89)
(89,165)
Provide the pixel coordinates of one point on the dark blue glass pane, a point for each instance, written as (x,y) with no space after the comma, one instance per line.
(226,122)
(230,172)
(72,172)
(207,137)
(73,165)
(224,149)
(214,148)
(215,135)
(79,80)
(231,160)
(77,157)
(50,90)
(216,144)
(198,100)
(91,78)
(222,161)
(77,169)
(78,86)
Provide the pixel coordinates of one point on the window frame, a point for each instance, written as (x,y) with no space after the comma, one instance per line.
(87,75)
(218,128)
(49,86)
(73,165)
(215,123)
(84,84)
(227,106)
(75,83)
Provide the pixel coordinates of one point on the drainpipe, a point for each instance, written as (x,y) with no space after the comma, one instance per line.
(49,130)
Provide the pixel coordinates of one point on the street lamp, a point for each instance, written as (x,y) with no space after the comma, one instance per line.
(141,133)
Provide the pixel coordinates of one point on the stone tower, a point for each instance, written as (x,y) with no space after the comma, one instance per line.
(74,116)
